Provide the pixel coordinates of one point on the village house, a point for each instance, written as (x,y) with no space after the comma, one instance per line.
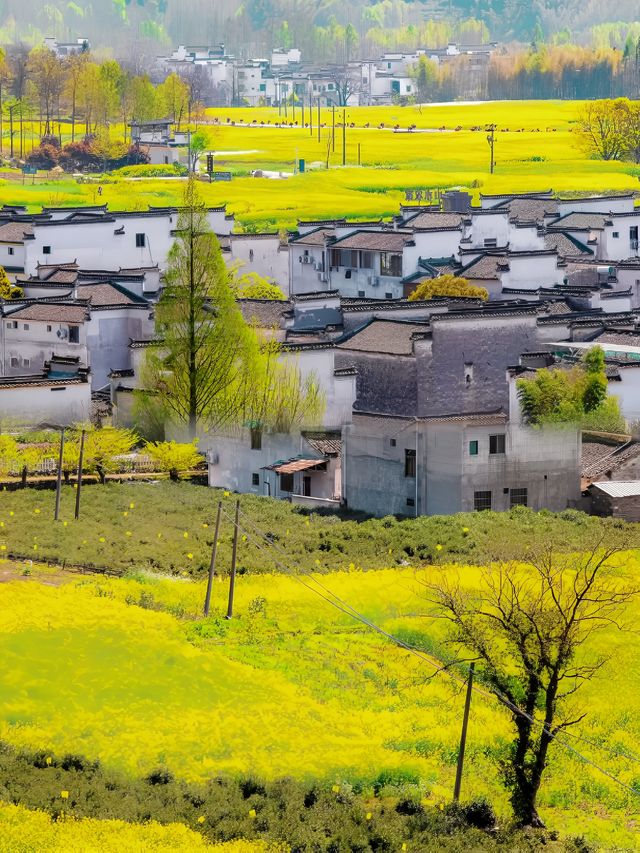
(60,393)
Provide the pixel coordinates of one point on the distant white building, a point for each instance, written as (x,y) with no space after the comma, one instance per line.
(64,49)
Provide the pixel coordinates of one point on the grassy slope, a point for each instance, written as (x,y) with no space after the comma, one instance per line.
(141,525)
(298,690)
(392,163)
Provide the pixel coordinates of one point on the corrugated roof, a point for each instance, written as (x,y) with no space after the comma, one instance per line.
(620,488)
(295,465)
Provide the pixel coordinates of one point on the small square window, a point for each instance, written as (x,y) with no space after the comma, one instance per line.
(255,479)
(481,501)
(392,442)
(49,328)
(15,362)
(519,497)
(615,234)
(388,295)
(409,463)
(361,294)
(26,362)
(473,448)
(25,326)
(256,439)
(46,250)
(141,241)
(12,324)
(74,334)
(11,250)
(411,501)
(497,444)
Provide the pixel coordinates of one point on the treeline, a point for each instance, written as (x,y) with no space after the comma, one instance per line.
(39,88)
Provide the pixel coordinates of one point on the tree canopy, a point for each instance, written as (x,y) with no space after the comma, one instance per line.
(448,285)
(577,394)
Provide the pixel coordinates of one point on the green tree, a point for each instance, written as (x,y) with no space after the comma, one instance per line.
(172,98)
(448,285)
(197,146)
(202,371)
(530,628)
(426,76)
(576,395)
(173,457)
(602,128)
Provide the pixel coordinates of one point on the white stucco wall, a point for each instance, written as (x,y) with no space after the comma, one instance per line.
(63,404)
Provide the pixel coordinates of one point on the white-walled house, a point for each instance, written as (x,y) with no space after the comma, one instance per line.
(31,334)
(264,254)
(60,394)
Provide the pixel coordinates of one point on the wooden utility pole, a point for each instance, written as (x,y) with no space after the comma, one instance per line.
(491,139)
(463,735)
(79,478)
(234,552)
(212,564)
(344,137)
(56,514)
(333,126)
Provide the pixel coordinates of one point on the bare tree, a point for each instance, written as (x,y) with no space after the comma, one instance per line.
(346,83)
(530,627)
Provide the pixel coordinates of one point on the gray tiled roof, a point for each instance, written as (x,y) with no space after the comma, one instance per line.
(49,312)
(266,313)
(380,241)
(599,458)
(14,232)
(435,220)
(565,246)
(580,220)
(384,336)
(529,209)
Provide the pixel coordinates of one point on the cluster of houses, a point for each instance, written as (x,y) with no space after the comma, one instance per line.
(284,76)
(422,413)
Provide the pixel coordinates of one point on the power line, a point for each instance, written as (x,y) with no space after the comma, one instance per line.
(334,600)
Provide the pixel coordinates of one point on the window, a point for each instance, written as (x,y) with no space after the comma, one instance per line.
(490,243)
(255,479)
(141,241)
(286,482)
(392,442)
(468,373)
(615,234)
(26,362)
(49,328)
(518,497)
(25,326)
(473,448)
(46,250)
(411,501)
(250,254)
(15,362)
(390,264)
(496,443)
(74,334)
(388,295)
(11,250)
(366,260)
(12,324)
(481,501)
(409,463)
(256,439)
(361,294)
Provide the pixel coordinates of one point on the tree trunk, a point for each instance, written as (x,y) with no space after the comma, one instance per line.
(23,476)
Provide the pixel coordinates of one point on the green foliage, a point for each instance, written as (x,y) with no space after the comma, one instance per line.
(448,285)
(173,457)
(576,395)
(253,286)
(164,511)
(307,816)
(7,290)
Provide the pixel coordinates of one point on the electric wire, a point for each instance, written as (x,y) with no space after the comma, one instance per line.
(334,600)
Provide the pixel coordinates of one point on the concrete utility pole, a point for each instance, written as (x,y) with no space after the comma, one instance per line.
(491,139)
(79,477)
(463,735)
(56,514)
(318,119)
(344,137)
(212,564)
(234,552)
(333,126)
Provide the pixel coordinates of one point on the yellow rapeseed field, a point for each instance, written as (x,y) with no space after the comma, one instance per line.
(290,687)
(536,149)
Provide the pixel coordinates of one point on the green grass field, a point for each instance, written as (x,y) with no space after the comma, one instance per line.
(123,670)
(527,160)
